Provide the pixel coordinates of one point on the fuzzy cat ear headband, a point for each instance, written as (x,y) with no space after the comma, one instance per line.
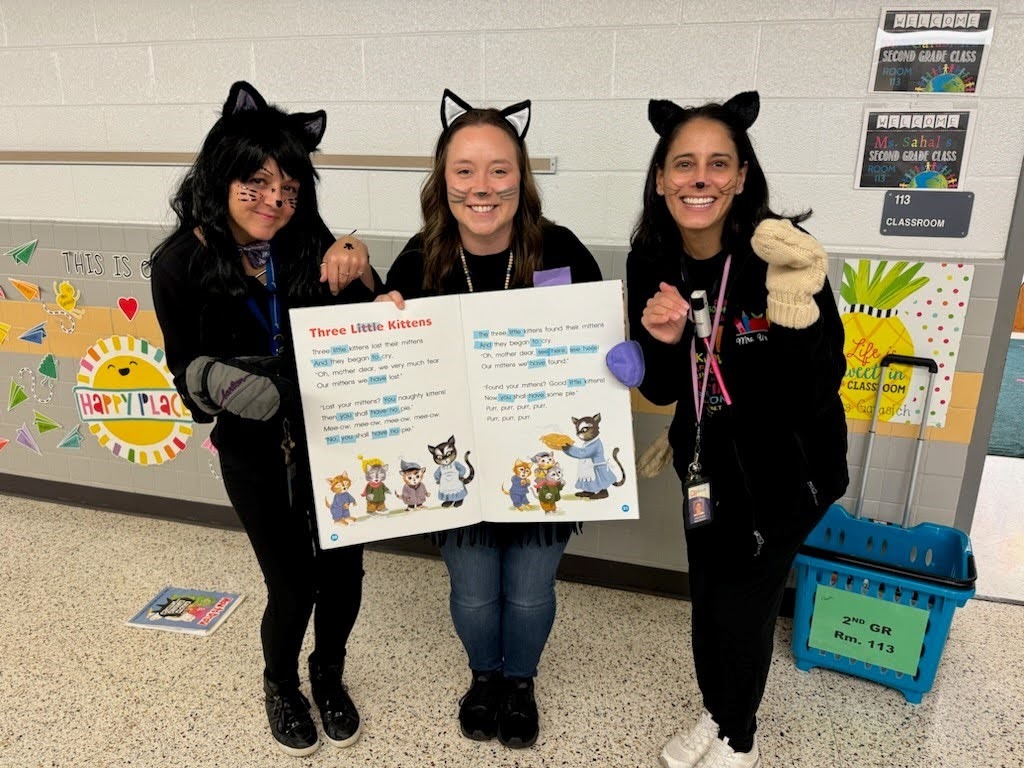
(309,126)
(518,115)
(743,108)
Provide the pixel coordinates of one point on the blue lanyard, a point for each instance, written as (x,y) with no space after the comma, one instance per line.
(273,328)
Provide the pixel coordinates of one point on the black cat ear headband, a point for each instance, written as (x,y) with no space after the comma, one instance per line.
(518,115)
(309,126)
(665,115)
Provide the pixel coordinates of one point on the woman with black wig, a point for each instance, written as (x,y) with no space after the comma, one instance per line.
(754,365)
(249,245)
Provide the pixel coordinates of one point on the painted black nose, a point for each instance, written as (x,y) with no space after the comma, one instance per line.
(280,203)
(699,185)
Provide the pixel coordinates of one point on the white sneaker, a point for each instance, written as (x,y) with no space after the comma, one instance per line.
(721,755)
(684,750)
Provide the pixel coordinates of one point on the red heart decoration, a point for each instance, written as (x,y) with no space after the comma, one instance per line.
(129,306)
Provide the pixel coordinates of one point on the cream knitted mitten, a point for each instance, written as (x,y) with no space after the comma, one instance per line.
(796,272)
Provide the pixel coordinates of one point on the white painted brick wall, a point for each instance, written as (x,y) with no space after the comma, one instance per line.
(134,75)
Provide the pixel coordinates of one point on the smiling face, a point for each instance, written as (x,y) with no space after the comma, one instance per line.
(260,206)
(482,177)
(699,178)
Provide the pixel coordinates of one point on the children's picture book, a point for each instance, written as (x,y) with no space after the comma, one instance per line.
(194,611)
(493,406)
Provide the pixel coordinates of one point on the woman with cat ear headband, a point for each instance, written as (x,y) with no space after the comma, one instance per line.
(483,231)
(738,327)
(249,245)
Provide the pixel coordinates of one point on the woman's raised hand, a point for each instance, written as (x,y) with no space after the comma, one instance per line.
(665,315)
(345,261)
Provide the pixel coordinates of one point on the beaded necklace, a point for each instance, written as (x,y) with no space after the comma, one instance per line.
(469,280)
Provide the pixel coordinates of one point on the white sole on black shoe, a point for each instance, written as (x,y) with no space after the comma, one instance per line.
(297,751)
(350,740)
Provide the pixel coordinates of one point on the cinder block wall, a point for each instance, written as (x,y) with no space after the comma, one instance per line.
(131,75)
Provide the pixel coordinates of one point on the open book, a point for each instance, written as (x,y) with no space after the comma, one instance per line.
(491,406)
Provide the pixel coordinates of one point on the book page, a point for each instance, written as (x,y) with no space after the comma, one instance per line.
(554,427)
(383,390)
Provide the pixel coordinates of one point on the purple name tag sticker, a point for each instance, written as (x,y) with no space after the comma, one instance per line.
(546,277)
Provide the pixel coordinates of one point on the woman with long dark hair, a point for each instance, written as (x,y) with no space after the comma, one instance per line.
(483,231)
(249,245)
(753,361)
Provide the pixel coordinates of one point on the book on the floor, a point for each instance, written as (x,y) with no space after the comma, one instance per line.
(194,611)
(493,406)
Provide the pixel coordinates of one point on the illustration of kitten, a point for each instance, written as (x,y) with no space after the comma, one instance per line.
(544,461)
(414,492)
(520,485)
(343,500)
(549,489)
(450,475)
(593,477)
(376,492)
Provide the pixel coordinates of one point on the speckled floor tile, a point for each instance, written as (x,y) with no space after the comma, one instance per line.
(81,689)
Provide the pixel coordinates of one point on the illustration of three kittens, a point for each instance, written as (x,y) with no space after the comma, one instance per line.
(541,477)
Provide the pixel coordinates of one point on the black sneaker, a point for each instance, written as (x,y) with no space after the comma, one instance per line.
(478,709)
(518,724)
(342,725)
(290,723)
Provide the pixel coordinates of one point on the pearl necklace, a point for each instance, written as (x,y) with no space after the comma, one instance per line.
(469,280)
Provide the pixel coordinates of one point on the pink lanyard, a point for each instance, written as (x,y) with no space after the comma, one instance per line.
(711,363)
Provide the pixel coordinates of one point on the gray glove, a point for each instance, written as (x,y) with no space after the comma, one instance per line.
(244,386)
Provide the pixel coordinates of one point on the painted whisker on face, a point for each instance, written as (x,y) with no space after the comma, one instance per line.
(457,195)
(246,195)
(508,194)
(292,202)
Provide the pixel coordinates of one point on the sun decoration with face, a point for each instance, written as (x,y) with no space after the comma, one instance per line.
(126,395)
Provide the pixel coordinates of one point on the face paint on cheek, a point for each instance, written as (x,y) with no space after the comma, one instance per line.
(508,194)
(457,195)
(292,202)
(730,187)
(246,194)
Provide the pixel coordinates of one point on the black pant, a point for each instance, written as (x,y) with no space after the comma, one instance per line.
(736,597)
(299,575)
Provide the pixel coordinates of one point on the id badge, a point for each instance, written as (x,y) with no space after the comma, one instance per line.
(698,510)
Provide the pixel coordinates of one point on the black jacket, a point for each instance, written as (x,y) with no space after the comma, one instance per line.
(784,436)
(196,322)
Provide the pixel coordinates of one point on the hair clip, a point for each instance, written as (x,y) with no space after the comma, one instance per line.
(517,115)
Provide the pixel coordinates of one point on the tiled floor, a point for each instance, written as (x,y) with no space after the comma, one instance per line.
(80,689)
(997,531)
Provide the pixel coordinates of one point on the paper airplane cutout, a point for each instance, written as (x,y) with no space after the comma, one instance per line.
(44,423)
(2,294)
(3,443)
(16,396)
(23,253)
(29,290)
(24,438)
(48,367)
(35,335)
(72,439)
(5,331)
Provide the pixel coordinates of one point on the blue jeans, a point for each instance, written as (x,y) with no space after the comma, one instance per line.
(503,602)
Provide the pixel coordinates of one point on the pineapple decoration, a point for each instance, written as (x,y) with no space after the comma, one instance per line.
(873,330)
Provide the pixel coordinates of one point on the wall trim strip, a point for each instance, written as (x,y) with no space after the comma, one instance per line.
(545,165)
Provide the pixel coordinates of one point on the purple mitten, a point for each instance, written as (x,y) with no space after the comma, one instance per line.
(626,362)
